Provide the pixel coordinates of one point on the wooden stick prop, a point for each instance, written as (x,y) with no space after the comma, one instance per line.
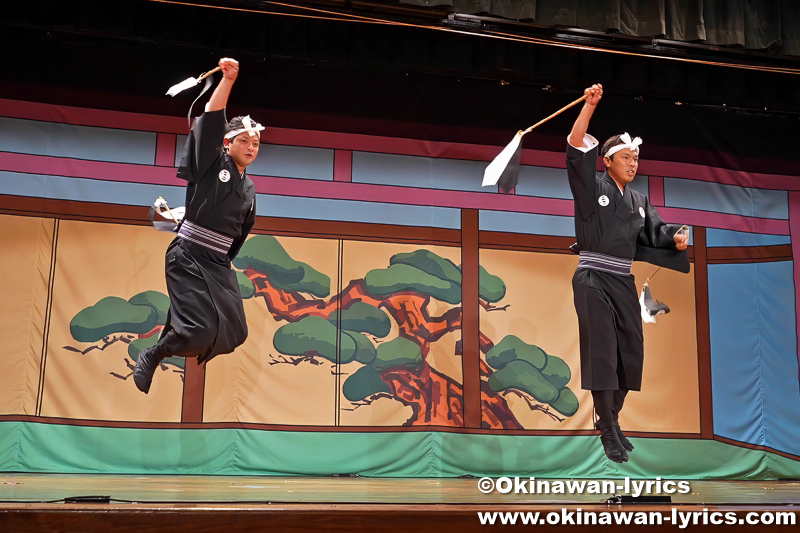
(160,215)
(650,306)
(190,82)
(576,102)
(169,211)
(505,167)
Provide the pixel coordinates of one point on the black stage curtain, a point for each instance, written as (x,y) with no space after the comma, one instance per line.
(767,25)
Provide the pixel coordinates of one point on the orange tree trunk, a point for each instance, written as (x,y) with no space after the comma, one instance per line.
(435,398)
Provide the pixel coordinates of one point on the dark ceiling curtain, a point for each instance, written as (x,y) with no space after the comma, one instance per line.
(598,15)
(428,3)
(763,27)
(771,25)
(642,17)
(557,12)
(790,28)
(724,22)
(751,24)
(510,9)
(471,7)
(631,17)
(684,20)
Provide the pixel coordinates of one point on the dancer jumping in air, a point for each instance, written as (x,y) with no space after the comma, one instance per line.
(614,225)
(206,315)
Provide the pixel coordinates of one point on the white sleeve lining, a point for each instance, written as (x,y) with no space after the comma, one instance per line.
(588,143)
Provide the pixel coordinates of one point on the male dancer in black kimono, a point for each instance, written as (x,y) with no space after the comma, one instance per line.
(614,225)
(206,316)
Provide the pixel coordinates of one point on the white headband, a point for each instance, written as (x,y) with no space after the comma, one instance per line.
(250,126)
(626,143)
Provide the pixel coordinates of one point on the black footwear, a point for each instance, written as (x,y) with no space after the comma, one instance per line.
(611,445)
(146,365)
(623,439)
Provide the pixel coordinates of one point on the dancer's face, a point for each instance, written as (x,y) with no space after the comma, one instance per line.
(622,168)
(243,149)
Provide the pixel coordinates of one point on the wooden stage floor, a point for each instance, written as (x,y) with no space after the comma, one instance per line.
(47,502)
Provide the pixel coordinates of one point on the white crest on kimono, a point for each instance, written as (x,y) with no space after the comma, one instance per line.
(641,211)
(224,176)
(603,200)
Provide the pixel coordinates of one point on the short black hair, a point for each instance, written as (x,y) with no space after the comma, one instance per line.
(609,144)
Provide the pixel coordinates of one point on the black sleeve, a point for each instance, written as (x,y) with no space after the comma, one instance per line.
(663,257)
(246,227)
(203,146)
(581,174)
(656,233)
(656,243)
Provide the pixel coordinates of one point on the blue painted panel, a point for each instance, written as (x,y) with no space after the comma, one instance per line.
(390,169)
(722,237)
(543,182)
(729,199)
(422,172)
(458,175)
(780,372)
(735,352)
(641,184)
(113,192)
(180,143)
(88,190)
(527,223)
(756,388)
(548,182)
(356,211)
(78,142)
(293,162)
(283,161)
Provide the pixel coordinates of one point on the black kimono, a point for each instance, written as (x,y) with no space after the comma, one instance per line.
(206,316)
(619,226)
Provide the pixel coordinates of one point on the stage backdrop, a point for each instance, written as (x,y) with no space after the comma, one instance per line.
(403,321)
